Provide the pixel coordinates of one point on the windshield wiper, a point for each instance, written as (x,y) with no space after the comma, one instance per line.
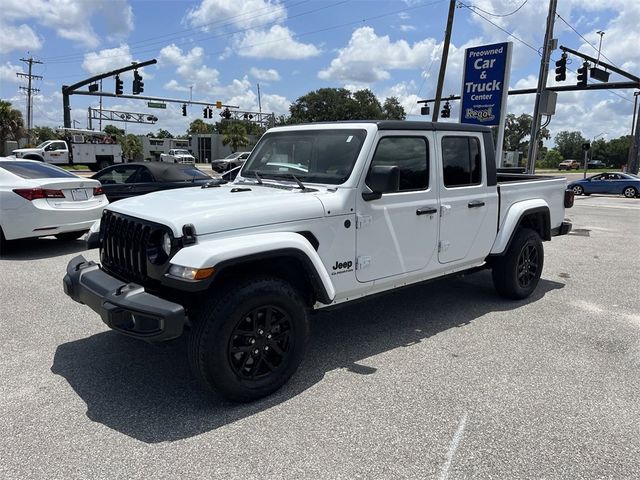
(258,178)
(276,175)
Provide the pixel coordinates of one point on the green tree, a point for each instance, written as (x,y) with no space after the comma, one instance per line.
(569,144)
(236,136)
(618,150)
(325,104)
(163,134)
(42,134)
(393,110)
(367,106)
(11,124)
(199,127)
(131,147)
(113,131)
(517,129)
(550,159)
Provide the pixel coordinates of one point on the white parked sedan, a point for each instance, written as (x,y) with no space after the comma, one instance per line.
(38,199)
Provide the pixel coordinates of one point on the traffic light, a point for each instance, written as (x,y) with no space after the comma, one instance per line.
(205,112)
(561,68)
(184,109)
(138,85)
(226,114)
(119,86)
(582,74)
(209,112)
(446,110)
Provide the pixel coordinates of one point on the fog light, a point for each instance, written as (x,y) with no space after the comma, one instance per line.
(188,273)
(166,244)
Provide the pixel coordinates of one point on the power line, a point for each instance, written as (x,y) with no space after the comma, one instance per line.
(582,37)
(500,14)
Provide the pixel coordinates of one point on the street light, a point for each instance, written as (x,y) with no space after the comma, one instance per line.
(590,152)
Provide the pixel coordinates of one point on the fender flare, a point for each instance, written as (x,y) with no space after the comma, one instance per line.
(513,219)
(223,253)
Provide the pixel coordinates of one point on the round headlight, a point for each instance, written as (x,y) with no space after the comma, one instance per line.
(166,244)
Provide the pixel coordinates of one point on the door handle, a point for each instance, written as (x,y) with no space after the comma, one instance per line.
(426,211)
(475,204)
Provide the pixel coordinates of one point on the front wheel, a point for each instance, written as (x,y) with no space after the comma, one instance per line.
(630,192)
(516,274)
(578,190)
(247,343)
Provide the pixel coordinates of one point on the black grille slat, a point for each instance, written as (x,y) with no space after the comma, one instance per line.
(124,245)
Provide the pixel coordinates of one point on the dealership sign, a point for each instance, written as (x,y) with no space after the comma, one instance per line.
(485,84)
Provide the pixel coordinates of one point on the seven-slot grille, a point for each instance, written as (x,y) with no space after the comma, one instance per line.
(125,241)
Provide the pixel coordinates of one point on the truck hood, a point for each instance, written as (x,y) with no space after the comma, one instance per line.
(219,209)
(26,150)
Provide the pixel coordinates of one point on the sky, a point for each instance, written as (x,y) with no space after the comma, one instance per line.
(220,50)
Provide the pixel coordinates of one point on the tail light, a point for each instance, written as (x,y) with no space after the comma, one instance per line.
(98,191)
(35,193)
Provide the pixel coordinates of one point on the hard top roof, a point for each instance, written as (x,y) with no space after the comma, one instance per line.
(411,125)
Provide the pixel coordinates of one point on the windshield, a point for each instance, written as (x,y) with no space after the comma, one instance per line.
(321,156)
(44,144)
(181,152)
(232,155)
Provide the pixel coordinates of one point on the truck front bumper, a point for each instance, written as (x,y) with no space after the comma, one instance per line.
(124,307)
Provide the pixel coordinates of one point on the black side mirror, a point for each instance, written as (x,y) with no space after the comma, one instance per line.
(382,179)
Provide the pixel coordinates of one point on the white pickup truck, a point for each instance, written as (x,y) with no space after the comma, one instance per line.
(96,150)
(177,155)
(320,214)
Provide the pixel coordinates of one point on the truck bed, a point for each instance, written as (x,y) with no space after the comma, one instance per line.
(517,187)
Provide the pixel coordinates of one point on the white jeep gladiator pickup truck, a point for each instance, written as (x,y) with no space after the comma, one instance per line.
(177,155)
(320,214)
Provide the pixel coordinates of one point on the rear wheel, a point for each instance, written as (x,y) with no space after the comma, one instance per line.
(516,274)
(70,235)
(630,192)
(247,342)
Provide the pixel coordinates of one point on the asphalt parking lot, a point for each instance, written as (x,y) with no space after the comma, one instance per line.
(442,380)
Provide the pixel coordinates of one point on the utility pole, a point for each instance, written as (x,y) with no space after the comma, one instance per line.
(634,148)
(542,83)
(443,61)
(100,121)
(259,101)
(29,89)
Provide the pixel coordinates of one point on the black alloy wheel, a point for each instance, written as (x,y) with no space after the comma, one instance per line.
(527,265)
(260,343)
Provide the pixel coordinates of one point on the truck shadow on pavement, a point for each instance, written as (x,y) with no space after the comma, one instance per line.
(148,393)
(40,248)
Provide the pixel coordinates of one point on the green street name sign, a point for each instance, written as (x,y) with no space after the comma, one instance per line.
(156,105)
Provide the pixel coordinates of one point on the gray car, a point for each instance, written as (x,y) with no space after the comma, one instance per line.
(229,162)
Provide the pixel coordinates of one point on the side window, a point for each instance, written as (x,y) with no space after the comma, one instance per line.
(119,174)
(461,161)
(410,155)
(144,175)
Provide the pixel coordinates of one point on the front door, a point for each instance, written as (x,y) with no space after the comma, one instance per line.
(468,206)
(56,152)
(398,232)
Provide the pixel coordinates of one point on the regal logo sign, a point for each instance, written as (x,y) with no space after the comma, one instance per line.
(485,84)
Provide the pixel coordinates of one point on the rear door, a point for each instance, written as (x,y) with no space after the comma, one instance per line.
(398,232)
(468,206)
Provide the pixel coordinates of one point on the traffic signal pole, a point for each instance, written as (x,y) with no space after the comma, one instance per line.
(542,83)
(68,90)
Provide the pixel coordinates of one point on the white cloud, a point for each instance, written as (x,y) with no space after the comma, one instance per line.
(190,68)
(407,28)
(71,19)
(8,72)
(212,14)
(21,38)
(405,92)
(277,42)
(368,58)
(270,75)
(107,59)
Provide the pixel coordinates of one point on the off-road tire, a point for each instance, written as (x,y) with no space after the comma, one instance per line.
(214,341)
(516,274)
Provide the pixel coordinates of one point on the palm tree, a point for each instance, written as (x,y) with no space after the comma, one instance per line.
(236,135)
(11,124)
